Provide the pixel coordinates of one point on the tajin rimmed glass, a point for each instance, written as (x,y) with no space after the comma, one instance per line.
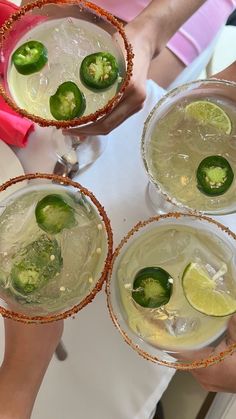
(63,297)
(130,256)
(77,28)
(166,200)
(28,17)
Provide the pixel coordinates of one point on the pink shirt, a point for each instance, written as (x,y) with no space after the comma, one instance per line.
(194,36)
(123,9)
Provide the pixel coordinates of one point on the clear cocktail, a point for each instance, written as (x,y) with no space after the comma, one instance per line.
(67,42)
(54,246)
(66,64)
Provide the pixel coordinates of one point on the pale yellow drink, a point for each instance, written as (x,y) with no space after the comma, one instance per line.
(175,326)
(68,41)
(179,143)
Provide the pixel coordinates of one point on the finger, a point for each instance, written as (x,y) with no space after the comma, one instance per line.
(111,122)
(227,74)
(132,102)
(231,332)
(229,337)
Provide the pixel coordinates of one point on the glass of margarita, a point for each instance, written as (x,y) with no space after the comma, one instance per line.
(172,289)
(189,148)
(55,248)
(63,67)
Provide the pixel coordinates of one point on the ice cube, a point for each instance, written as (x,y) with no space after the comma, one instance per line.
(206,141)
(173,243)
(205,255)
(16,227)
(37,85)
(179,326)
(215,257)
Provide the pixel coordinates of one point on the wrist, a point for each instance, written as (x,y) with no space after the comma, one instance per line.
(160,20)
(152,30)
(141,33)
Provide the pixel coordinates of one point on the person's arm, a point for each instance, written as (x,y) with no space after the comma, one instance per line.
(159,21)
(28,351)
(229,73)
(148,34)
(220,377)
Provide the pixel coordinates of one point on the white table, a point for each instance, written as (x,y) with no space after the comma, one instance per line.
(102,377)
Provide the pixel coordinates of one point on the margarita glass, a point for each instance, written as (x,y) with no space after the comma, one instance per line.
(172,288)
(63,67)
(189,148)
(55,248)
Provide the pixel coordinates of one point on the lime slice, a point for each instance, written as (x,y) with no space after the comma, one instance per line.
(201,293)
(206,112)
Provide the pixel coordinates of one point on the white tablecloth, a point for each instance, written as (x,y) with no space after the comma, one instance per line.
(102,376)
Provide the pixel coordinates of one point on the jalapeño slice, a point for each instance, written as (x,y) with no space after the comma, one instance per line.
(99,70)
(36,264)
(68,102)
(30,57)
(152,287)
(214,175)
(53,214)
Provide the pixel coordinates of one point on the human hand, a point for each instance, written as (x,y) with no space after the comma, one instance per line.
(135,94)
(220,377)
(228,73)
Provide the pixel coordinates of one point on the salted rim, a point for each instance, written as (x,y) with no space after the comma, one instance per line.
(52,317)
(172,93)
(7,26)
(202,363)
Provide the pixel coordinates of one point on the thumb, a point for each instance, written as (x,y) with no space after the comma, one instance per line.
(227,73)
(231,332)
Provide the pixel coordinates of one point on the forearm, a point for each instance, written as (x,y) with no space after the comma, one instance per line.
(17,393)
(28,351)
(159,21)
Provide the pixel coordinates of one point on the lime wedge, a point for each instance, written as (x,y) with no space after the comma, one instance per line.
(201,293)
(206,112)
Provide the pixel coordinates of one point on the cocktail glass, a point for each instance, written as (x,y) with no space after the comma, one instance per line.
(173,332)
(178,136)
(70,30)
(55,248)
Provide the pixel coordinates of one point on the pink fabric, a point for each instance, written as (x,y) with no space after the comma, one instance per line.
(14,129)
(194,36)
(198,32)
(123,9)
